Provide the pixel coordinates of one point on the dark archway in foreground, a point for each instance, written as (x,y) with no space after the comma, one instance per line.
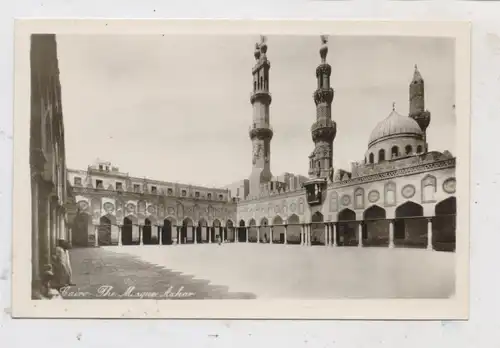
(375,227)
(444,225)
(410,227)
(347,228)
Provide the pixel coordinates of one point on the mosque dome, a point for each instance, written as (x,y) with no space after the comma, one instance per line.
(393,125)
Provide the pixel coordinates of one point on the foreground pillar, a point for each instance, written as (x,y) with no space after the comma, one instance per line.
(286,235)
(429,234)
(178,234)
(141,241)
(334,234)
(270,234)
(247,230)
(195,234)
(360,234)
(326,234)
(119,235)
(258,234)
(391,234)
(96,236)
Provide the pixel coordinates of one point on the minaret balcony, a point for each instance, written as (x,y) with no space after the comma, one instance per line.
(260,131)
(324,129)
(261,95)
(323,95)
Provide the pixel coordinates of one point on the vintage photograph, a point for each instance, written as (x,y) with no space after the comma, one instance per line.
(244,166)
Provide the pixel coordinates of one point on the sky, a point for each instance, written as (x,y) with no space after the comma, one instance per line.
(177,107)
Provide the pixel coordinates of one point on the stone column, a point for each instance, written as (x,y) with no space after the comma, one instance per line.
(209,231)
(391,234)
(271,234)
(178,229)
(141,240)
(96,235)
(120,235)
(258,234)
(429,234)
(308,234)
(195,234)
(35,234)
(334,234)
(47,236)
(247,230)
(360,234)
(159,234)
(62,228)
(302,235)
(326,234)
(286,235)
(70,235)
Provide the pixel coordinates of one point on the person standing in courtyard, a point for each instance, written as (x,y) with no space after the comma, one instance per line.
(62,265)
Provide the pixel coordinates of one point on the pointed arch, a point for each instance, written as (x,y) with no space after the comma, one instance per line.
(168,230)
(130,230)
(82,230)
(294,235)
(317,229)
(375,230)
(381,155)
(347,228)
(444,225)
(410,228)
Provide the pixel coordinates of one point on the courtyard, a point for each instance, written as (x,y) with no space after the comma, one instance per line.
(248,271)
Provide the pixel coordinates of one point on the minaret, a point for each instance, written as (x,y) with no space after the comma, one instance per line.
(417,103)
(260,130)
(324,129)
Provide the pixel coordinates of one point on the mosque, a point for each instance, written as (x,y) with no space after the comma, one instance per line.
(401,194)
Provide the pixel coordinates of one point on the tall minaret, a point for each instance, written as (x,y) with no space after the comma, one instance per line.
(324,129)
(417,103)
(260,130)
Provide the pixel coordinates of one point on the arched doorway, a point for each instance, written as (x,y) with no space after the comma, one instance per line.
(317,229)
(105,230)
(130,231)
(166,232)
(217,231)
(347,228)
(242,232)
(278,230)
(444,225)
(265,231)
(230,230)
(82,229)
(201,231)
(410,228)
(187,231)
(252,231)
(147,231)
(293,233)
(375,227)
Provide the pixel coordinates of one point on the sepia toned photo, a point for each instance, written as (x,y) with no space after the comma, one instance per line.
(189,169)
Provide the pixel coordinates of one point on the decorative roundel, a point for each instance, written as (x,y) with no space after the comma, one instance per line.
(373,196)
(450,185)
(346,200)
(83,205)
(293,207)
(408,191)
(151,209)
(130,207)
(109,207)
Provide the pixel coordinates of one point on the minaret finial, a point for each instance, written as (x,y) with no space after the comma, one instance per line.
(263,45)
(393,106)
(323,51)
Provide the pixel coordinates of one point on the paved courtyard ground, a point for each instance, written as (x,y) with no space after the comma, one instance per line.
(269,271)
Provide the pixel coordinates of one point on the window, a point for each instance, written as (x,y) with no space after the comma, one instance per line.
(419,149)
(98,184)
(221,197)
(184,193)
(197,194)
(381,155)
(234,199)
(371,158)
(137,187)
(170,191)
(209,196)
(119,186)
(107,168)
(394,151)
(153,190)
(77,181)
(408,149)
(100,166)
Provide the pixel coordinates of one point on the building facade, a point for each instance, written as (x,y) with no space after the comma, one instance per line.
(50,193)
(400,194)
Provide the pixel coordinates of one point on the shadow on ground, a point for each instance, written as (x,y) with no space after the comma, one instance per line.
(101,274)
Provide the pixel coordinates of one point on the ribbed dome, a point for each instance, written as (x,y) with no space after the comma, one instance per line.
(395,124)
